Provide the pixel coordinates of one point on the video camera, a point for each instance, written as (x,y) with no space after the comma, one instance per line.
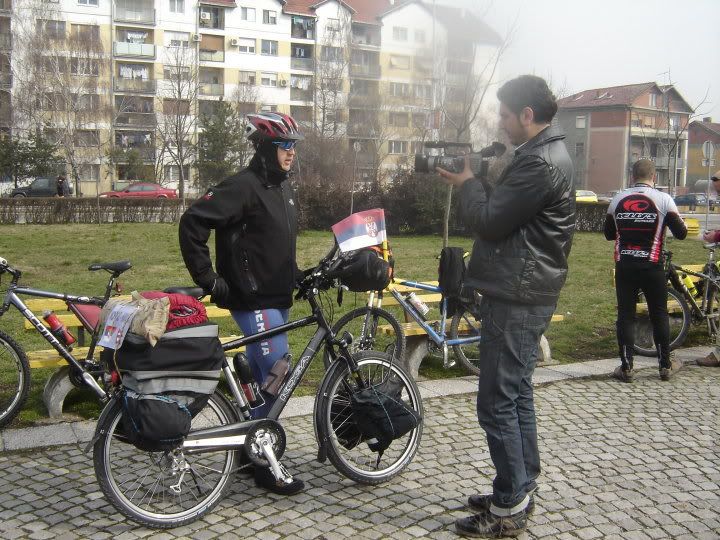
(452,157)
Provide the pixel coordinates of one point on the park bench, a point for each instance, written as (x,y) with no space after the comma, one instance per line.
(59,383)
(417,341)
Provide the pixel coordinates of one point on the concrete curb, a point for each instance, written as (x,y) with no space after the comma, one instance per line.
(82,431)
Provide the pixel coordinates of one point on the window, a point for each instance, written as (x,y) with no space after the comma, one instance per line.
(419,36)
(87,137)
(648,121)
(416,147)
(247,77)
(87,102)
(89,173)
(247,14)
(85,32)
(579,149)
(653,100)
(88,2)
(399,119)
(580,122)
(398,147)
(175,73)
(212,17)
(423,91)
(420,120)
(332,54)
(177,6)
(269,47)
(653,150)
(333,25)
(176,107)
(400,62)
(674,123)
(53,29)
(400,33)
(177,39)
(84,67)
(246,46)
(268,79)
(268,108)
(172,173)
(399,89)
(269,16)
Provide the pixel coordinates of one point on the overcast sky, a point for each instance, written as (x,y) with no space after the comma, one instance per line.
(582,44)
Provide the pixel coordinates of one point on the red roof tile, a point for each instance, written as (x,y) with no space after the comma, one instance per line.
(712,127)
(605,97)
(365,11)
(299,7)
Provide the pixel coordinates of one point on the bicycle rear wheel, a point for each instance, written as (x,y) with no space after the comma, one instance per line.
(14,379)
(679,315)
(465,325)
(373,329)
(333,421)
(163,489)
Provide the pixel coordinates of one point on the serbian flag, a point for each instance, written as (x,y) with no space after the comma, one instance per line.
(362,229)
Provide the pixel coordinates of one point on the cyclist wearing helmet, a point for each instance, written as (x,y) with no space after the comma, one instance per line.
(254,217)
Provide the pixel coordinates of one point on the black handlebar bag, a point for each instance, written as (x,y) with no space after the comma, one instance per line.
(165,386)
(364,270)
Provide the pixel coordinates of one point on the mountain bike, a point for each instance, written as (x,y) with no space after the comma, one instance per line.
(684,307)
(171,488)
(14,365)
(462,335)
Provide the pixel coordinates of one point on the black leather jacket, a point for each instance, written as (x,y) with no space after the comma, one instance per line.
(524,225)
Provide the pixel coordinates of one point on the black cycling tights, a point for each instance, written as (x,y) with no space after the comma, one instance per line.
(652,281)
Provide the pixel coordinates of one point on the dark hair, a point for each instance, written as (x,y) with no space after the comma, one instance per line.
(643,169)
(529,91)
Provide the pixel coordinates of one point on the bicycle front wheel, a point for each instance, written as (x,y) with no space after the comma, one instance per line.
(334,424)
(373,329)
(14,379)
(465,325)
(163,489)
(678,314)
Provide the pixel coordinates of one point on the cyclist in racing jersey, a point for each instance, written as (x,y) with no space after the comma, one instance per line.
(254,217)
(636,220)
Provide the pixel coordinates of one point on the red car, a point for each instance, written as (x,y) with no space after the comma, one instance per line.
(143,190)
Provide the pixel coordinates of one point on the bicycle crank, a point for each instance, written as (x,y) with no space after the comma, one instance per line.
(265,443)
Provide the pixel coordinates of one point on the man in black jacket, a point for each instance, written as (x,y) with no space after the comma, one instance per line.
(254,217)
(523,230)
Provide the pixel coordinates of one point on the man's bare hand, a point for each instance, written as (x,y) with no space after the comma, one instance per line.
(709,237)
(457,179)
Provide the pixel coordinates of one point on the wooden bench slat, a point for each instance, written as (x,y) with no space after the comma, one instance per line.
(414,329)
(427,298)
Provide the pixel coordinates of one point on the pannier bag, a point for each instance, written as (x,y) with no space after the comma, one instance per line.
(364,270)
(451,273)
(165,386)
(376,415)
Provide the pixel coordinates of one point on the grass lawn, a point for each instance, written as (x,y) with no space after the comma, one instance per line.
(56,258)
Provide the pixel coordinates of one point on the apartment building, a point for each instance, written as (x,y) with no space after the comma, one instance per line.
(379,73)
(698,133)
(608,129)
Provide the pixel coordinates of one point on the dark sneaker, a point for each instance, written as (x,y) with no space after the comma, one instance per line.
(265,479)
(708,361)
(624,375)
(481,503)
(666,373)
(488,525)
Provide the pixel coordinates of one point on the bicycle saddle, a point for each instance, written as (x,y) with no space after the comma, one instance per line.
(119,267)
(195,292)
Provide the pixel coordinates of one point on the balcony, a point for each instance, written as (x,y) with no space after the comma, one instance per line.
(298,94)
(141,86)
(363,70)
(5,41)
(212,89)
(136,119)
(212,56)
(143,16)
(141,50)
(5,79)
(365,40)
(669,162)
(303,64)
(661,133)
(362,129)
(364,101)
(145,153)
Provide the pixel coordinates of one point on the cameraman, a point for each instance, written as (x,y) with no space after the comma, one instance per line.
(523,230)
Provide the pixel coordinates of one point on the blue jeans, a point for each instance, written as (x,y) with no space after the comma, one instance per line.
(262,355)
(510,337)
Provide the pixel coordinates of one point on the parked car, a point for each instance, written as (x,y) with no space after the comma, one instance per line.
(584,195)
(40,187)
(142,190)
(607,197)
(691,199)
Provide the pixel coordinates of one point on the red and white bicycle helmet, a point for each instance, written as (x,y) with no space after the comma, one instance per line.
(271,126)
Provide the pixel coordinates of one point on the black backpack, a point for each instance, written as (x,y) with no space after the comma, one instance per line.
(165,386)
(451,274)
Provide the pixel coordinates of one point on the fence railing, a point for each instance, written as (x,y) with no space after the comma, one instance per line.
(122,48)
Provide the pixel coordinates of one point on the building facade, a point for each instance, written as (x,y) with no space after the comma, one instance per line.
(698,133)
(608,129)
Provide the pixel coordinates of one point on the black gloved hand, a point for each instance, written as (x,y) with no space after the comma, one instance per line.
(220,293)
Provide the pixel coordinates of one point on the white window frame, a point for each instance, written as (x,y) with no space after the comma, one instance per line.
(88,3)
(581,121)
(400,33)
(269,79)
(182,39)
(271,53)
(247,77)
(245,14)
(247,45)
(177,6)
(269,16)
(397,147)
(653,100)
(332,25)
(398,61)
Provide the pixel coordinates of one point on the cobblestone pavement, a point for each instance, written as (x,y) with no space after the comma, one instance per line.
(637,461)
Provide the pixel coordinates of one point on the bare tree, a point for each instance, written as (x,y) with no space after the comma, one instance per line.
(177,122)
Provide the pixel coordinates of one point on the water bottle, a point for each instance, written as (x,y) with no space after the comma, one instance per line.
(275,379)
(415,301)
(689,284)
(249,386)
(58,329)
